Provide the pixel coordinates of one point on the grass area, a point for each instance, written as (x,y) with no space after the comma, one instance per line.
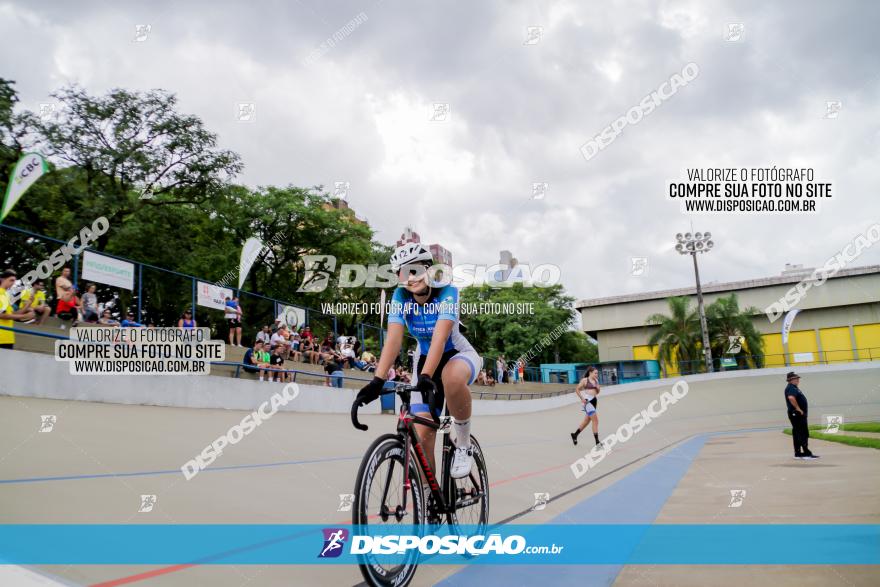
(845,439)
(854,427)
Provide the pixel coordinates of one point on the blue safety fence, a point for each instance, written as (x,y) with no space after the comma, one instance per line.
(158,295)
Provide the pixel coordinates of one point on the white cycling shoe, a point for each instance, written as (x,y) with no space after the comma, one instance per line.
(462,461)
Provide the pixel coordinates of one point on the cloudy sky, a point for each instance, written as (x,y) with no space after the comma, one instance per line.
(361,111)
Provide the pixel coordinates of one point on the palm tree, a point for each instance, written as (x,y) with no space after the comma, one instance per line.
(678,334)
(726,321)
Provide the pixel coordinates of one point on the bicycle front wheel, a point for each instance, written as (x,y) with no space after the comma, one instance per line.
(381,500)
(469,496)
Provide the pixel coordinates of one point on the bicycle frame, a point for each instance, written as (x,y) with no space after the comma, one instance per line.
(406,428)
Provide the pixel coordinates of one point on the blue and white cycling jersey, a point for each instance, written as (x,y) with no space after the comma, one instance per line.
(421,319)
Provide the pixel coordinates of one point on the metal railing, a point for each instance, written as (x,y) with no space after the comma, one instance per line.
(173,297)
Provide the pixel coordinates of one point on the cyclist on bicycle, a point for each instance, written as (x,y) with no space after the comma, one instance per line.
(445,363)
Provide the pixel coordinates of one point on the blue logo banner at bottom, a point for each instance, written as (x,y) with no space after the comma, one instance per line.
(566,544)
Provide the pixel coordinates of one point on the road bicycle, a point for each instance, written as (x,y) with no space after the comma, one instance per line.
(397,490)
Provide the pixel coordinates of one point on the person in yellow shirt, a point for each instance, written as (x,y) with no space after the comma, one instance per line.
(7,337)
(34,298)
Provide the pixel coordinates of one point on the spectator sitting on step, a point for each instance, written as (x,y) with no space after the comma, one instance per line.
(129,321)
(106,319)
(277,341)
(328,353)
(293,346)
(89,305)
(277,361)
(346,356)
(335,371)
(369,359)
(264,335)
(252,360)
(34,298)
(66,307)
(310,355)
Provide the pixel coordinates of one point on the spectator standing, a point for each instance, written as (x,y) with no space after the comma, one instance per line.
(34,298)
(7,337)
(499,369)
(521,368)
(335,372)
(232,313)
(796,403)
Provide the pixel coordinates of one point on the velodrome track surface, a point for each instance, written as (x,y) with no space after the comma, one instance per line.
(100,458)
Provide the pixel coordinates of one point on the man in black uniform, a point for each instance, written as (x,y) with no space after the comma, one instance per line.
(796,402)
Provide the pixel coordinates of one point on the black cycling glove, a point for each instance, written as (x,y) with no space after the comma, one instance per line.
(426,385)
(370,391)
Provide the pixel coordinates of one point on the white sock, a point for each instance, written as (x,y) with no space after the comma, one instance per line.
(261,378)
(462,432)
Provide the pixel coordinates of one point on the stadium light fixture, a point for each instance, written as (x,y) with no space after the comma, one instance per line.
(691,244)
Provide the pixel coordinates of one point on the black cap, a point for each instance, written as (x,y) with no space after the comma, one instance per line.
(792,375)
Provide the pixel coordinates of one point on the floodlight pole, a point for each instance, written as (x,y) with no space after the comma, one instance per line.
(707,350)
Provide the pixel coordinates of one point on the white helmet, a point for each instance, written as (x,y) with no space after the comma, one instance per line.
(410,253)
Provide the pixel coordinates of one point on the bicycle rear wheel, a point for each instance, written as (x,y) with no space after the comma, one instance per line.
(378,502)
(469,496)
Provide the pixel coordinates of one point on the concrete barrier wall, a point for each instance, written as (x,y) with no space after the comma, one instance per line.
(27,374)
(35,375)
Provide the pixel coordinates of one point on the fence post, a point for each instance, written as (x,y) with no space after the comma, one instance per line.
(193,301)
(75,270)
(141,292)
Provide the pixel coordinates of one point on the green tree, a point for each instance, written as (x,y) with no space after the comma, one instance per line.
(12,131)
(727,322)
(677,335)
(132,152)
(516,335)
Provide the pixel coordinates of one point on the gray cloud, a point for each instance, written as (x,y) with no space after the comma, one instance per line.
(519,112)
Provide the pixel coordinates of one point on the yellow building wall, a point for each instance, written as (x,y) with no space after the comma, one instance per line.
(803,341)
(836,344)
(773,350)
(868,341)
(646,353)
